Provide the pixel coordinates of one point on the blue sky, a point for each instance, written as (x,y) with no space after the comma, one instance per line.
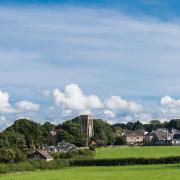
(116,59)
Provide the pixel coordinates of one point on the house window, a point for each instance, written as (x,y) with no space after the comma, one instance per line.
(36,156)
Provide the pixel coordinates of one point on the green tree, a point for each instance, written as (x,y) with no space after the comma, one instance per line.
(7,155)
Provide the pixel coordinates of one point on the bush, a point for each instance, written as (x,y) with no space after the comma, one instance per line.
(56,155)
(78,154)
(125,161)
(92,147)
(33,165)
(7,155)
(120,141)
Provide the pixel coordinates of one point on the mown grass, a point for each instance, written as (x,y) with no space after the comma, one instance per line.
(144,151)
(149,172)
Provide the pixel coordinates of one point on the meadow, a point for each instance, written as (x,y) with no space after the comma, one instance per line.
(141,151)
(149,172)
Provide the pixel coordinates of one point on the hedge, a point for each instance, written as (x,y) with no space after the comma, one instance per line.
(33,165)
(125,161)
(59,164)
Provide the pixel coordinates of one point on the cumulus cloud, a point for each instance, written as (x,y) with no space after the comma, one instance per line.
(22,106)
(5,106)
(27,106)
(169,108)
(168,101)
(73,98)
(73,101)
(116,102)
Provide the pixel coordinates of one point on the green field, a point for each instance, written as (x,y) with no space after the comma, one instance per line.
(146,152)
(155,172)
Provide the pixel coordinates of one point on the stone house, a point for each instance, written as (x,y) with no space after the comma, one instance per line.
(133,137)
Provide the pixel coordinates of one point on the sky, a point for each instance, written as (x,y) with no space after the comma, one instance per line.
(118,60)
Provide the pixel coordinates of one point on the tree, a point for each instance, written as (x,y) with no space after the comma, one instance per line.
(103,132)
(20,156)
(138,125)
(63,135)
(120,141)
(174,123)
(7,155)
(12,139)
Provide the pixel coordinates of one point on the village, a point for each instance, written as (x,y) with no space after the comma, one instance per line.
(158,137)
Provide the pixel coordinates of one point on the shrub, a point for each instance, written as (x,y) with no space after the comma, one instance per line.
(78,154)
(125,161)
(33,165)
(120,141)
(56,155)
(92,147)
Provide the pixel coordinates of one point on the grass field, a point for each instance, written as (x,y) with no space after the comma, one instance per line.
(148,151)
(155,172)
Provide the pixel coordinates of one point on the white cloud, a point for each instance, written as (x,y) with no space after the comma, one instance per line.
(73,98)
(109,113)
(4,122)
(116,102)
(73,101)
(169,108)
(27,106)
(168,101)
(5,106)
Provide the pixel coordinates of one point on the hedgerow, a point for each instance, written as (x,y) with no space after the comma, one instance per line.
(125,161)
(33,165)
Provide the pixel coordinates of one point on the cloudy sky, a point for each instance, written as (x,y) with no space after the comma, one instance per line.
(119,60)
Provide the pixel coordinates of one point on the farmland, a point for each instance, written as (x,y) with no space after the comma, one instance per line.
(136,172)
(146,152)
(149,172)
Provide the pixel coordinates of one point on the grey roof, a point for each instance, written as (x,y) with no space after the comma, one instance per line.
(161,134)
(65,146)
(133,133)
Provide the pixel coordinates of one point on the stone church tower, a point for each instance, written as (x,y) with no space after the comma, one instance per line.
(87,125)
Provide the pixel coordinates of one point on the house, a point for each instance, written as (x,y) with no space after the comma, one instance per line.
(52,149)
(40,155)
(65,147)
(62,147)
(133,137)
(175,134)
(161,136)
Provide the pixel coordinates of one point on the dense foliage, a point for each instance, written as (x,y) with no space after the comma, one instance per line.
(153,124)
(25,133)
(71,131)
(103,133)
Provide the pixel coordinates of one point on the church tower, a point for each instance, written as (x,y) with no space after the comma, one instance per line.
(87,125)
